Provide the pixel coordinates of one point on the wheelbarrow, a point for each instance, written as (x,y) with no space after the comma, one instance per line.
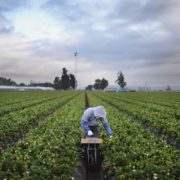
(91,149)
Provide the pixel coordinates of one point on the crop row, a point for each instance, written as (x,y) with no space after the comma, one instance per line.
(159,123)
(135,153)
(170,110)
(22,105)
(51,151)
(25,104)
(14,124)
(169,99)
(17,97)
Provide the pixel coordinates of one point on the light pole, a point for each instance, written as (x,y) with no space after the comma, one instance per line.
(75,55)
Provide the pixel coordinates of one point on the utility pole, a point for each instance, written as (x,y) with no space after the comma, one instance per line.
(75,55)
(146,86)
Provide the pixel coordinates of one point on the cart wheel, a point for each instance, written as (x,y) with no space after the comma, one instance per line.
(92,161)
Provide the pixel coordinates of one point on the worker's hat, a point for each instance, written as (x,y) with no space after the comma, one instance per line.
(100,112)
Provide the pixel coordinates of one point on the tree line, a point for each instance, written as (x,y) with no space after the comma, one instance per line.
(103,83)
(66,81)
(9,82)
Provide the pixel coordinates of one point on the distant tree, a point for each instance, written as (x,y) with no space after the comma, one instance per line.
(42,84)
(72,80)
(100,84)
(47,84)
(22,84)
(104,83)
(7,82)
(89,87)
(168,88)
(121,80)
(65,80)
(57,83)
(97,84)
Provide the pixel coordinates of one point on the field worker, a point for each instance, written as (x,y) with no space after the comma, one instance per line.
(90,120)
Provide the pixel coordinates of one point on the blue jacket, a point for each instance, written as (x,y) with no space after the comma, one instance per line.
(89,119)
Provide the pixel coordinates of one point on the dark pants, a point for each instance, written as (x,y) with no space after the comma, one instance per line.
(95,130)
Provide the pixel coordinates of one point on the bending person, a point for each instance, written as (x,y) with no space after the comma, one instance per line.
(90,121)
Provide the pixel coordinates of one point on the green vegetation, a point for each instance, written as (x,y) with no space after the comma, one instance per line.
(49,151)
(146,130)
(135,153)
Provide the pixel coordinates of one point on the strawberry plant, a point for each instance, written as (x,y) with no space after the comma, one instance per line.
(135,153)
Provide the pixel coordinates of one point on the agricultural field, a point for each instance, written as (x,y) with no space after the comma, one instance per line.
(40,134)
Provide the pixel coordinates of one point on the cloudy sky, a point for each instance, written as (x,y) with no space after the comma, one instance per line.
(141,38)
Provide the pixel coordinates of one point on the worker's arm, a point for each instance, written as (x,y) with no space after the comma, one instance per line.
(107,127)
(84,122)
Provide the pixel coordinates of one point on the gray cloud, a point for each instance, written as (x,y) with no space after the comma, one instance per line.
(139,37)
(9,5)
(140,10)
(69,10)
(132,44)
(5,25)
(6,6)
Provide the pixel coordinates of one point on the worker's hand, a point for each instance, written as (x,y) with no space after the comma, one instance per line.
(110,136)
(90,133)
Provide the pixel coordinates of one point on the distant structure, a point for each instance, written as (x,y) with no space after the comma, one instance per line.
(26,88)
